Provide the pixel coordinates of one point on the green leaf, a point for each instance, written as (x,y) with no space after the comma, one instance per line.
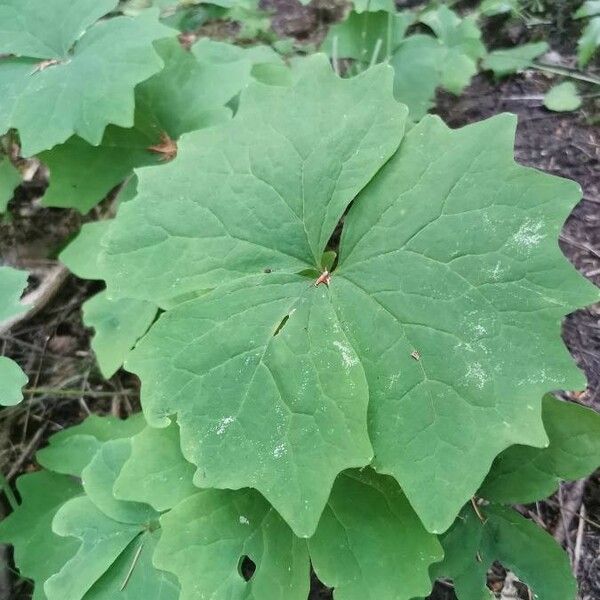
(12,284)
(522,474)
(118,324)
(370,543)
(205,537)
(280,184)
(39,553)
(512,60)
(423,63)
(87,89)
(186,95)
(451,340)
(298,449)
(102,542)
(489,8)
(374,5)
(459,34)
(470,548)
(13,379)
(590,8)
(364,33)
(156,472)
(144,581)
(589,41)
(48,30)
(482,309)
(562,97)
(99,476)
(81,255)
(70,451)
(10,178)
(416,66)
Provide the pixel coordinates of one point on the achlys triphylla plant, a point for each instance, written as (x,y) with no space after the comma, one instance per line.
(347,419)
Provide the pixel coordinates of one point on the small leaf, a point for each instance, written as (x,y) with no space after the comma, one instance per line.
(589,41)
(423,63)
(70,450)
(102,542)
(12,285)
(10,178)
(39,553)
(417,73)
(156,472)
(512,60)
(364,33)
(470,548)
(562,97)
(118,324)
(489,8)
(370,543)
(590,8)
(205,537)
(374,5)
(81,255)
(133,576)
(522,474)
(12,380)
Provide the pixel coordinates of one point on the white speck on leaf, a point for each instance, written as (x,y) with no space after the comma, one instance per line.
(529,234)
(223,424)
(244,520)
(279,450)
(476,374)
(348,358)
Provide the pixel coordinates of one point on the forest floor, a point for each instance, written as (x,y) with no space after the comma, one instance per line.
(53,346)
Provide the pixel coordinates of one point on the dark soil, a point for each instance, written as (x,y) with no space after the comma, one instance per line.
(53,347)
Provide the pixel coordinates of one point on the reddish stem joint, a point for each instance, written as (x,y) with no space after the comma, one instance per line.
(324,277)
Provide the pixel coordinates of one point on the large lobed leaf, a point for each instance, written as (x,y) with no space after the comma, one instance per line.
(451,340)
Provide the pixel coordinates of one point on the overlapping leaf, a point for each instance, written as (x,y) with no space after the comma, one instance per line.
(76,78)
(293,187)
(523,474)
(470,548)
(71,450)
(156,472)
(189,93)
(239,524)
(118,324)
(117,538)
(367,35)
(38,553)
(456,338)
(370,544)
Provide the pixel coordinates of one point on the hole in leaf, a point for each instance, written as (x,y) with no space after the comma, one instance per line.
(281,325)
(246,567)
